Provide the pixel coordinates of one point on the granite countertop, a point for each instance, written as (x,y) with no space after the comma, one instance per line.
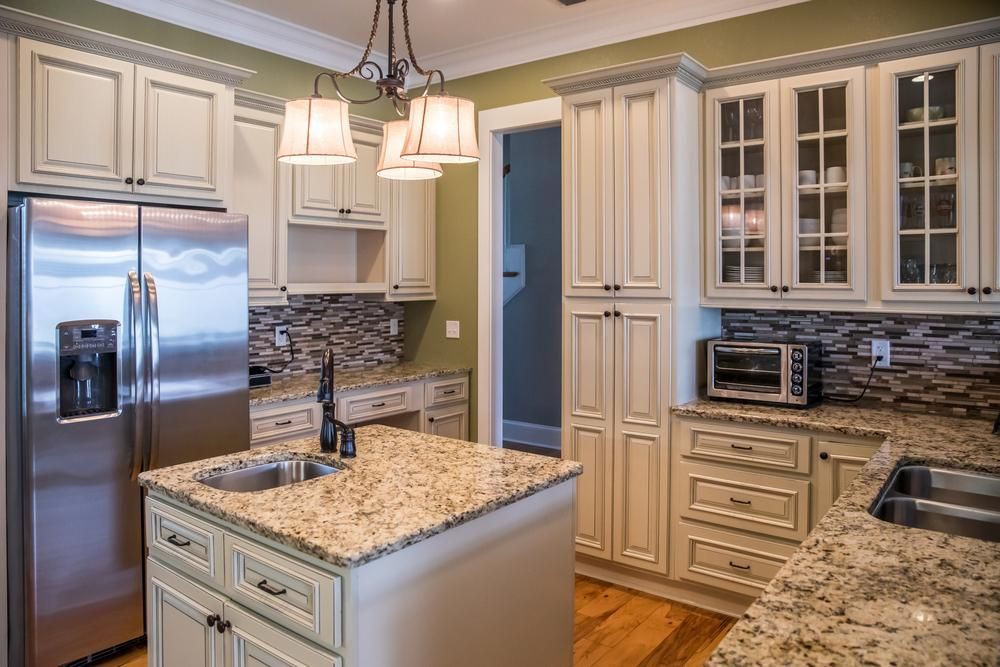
(303,385)
(402,488)
(863,591)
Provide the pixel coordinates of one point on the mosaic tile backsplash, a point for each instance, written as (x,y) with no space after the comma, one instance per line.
(942,364)
(357,329)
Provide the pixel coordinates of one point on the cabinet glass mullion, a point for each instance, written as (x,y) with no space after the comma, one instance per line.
(741,193)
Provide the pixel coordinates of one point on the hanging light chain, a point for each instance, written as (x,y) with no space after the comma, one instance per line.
(371,42)
(413,56)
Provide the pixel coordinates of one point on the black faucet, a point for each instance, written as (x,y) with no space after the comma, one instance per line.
(328,431)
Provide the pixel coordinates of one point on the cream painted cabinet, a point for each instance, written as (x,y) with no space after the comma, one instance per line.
(253,642)
(180,621)
(96,123)
(74,118)
(615,172)
(351,195)
(928,175)
(260,190)
(989,263)
(412,230)
(836,466)
(449,422)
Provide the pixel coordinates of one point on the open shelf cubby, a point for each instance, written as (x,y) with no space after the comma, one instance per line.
(336,260)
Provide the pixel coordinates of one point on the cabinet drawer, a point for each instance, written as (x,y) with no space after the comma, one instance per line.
(256,642)
(184,541)
(297,596)
(726,560)
(746,500)
(440,392)
(284,422)
(365,407)
(785,451)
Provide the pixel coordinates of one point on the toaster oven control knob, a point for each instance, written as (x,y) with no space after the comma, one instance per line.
(796,355)
(796,379)
(796,367)
(796,390)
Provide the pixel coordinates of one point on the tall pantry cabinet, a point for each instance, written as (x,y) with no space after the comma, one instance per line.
(631,321)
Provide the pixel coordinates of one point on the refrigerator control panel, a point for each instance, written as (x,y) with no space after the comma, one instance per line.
(88,369)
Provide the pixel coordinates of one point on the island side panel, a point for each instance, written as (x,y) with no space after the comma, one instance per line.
(495,591)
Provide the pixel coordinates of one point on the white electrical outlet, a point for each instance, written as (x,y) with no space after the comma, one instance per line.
(880,348)
(281,335)
(394,326)
(451,329)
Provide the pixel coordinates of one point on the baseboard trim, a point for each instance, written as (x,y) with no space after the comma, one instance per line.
(538,435)
(695,595)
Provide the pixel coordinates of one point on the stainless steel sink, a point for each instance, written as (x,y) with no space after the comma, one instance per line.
(268,475)
(948,501)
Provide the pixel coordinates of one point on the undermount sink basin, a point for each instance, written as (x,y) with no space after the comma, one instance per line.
(268,475)
(948,501)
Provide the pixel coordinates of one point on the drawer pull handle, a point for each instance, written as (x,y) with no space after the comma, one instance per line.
(450,392)
(378,405)
(740,502)
(263,585)
(284,422)
(745,448)
(739,567)
(178,542)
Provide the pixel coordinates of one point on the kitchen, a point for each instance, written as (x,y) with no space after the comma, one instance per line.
(780,368)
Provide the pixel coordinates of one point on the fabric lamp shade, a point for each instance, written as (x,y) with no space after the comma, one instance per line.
(442,129)
(392,166)
(317,131)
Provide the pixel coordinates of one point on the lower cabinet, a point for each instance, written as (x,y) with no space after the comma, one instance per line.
(837,463)
(181,621)
(252,642)
(449,422)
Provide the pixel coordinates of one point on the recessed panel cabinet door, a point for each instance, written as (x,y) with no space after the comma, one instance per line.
(177,621)
(642,259)
(364,194)
(588,194)
(74,118)
(642,351)
(252,642)
(411,240)
(182,134)
(588,353)
(989,119)
(449,422)
(836,467)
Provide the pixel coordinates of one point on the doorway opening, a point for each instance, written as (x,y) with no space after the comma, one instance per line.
(532,290)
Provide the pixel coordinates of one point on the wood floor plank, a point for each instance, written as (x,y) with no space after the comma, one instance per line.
(699,658)
(587,589)
(693,634)
(607,603)
(646,637)
(613,629)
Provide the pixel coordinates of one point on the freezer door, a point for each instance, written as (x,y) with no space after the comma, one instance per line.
(81,549)
(194,266)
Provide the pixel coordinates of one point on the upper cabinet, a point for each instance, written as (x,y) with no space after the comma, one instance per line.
(412,241)
(928,161)
(96,123)
(989,265)
(614,192)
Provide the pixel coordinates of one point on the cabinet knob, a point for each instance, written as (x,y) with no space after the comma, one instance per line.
(784,288)
(430,419)
(348,211)
(395,287)
(340,211)
(617,287)
(971,290)
(607,288)
(212,619)
(987,290)
(774,288)
(618,313)
(222,626)
(607,313)
(283,288)
(824,455)
(128,181)
(141,181)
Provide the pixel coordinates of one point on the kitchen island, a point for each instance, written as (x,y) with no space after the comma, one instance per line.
(860,590)
(421,551)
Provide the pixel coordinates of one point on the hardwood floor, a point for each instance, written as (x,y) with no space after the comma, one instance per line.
(613,627)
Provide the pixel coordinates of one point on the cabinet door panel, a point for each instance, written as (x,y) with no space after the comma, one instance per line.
(989,67)
(642,258)
(260,190)
(590,444)
(74,118)
(316,191)
(182,130)
(363,192)
(837,465)
(588,342)
(641,363)
(449,422)
(412,240)
(252,642)
(588,194)
(177,621)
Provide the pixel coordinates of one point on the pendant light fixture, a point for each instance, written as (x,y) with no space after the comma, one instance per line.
(441,127)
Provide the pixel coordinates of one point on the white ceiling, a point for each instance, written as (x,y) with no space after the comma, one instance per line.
(461,37)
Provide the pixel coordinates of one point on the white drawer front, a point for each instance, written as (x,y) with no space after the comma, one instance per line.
(749,501)
(733,562)
(365,407)
(777,450)
(441,392)
(255,642)
(284,590)
(185,541)
(284,422)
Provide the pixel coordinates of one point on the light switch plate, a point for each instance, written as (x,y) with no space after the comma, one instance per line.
(880,347)
(451,329)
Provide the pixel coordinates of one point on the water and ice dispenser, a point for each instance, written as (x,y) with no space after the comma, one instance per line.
(88,368)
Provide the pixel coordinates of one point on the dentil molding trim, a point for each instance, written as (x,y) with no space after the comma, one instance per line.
(41,28)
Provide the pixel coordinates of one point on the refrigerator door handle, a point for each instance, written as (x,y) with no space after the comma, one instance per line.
(153,315)
(138,376)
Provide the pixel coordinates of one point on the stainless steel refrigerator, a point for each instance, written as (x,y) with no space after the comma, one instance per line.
(127,351)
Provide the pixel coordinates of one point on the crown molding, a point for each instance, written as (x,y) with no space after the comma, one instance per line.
(26,24)
(247,26)
(250,99)
(686,69)
(937,40)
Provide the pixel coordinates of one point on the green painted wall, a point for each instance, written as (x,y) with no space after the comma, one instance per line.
(804,27)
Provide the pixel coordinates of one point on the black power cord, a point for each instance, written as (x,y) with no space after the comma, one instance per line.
(291,349)
(844,399)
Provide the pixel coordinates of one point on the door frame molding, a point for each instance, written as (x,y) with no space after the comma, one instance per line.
(493,124)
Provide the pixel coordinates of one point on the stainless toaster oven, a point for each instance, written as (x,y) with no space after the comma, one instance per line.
(780,372)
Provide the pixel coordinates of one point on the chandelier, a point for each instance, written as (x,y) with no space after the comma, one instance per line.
(440,128)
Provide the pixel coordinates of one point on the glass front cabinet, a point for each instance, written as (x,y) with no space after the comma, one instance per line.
(928,162)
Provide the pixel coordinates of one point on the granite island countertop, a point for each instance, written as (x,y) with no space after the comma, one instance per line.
(300,385)
(863,591)
(403,487)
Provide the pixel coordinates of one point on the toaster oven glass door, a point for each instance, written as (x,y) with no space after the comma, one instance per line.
(749,370)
